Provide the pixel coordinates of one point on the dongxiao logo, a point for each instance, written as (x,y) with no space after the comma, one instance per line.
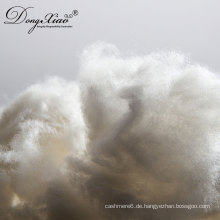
(19,15)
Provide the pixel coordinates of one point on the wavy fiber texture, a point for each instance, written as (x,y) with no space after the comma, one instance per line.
(129,130)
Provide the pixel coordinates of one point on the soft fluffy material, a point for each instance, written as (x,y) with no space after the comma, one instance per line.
(129,130)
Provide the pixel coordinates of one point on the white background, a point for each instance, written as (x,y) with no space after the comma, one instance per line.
(134,26)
